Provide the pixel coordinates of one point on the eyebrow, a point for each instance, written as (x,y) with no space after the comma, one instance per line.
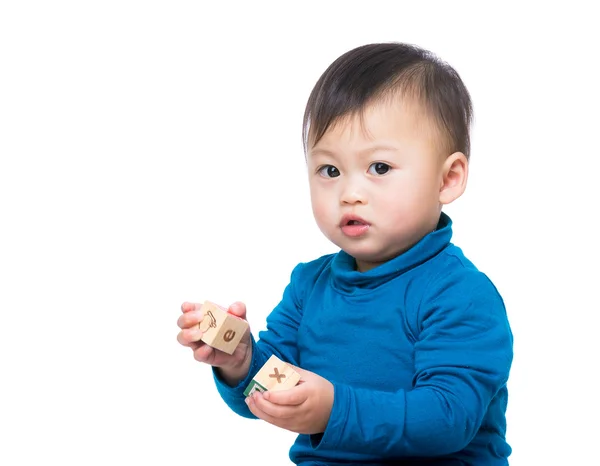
(362,153)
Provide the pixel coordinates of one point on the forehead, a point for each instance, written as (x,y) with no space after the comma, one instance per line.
(392,119)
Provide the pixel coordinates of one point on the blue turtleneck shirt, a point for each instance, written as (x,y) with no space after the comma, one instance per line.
(418,349)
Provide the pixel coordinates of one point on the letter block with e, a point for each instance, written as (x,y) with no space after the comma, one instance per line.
(221,330)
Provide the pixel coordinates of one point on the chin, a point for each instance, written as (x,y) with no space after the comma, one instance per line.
(373,255)
(365,254)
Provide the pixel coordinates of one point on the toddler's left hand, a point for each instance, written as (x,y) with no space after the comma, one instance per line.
(303,409)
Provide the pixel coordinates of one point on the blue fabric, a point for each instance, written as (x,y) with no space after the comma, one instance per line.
(419,351)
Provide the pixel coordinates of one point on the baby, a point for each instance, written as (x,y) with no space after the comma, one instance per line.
(403,345)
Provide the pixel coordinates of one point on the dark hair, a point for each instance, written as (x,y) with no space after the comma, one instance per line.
(369,72)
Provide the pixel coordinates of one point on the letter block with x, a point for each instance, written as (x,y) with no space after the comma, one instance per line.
(222,330)
(274,375)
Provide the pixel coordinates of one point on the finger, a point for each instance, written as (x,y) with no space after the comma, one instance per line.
(196,344)
(190,319)
(273,410)
(253,408)
(238,309)
(193,334)
(187,307)
(291,397)
(259,413)
(182,340)
(189,335)
(204,353)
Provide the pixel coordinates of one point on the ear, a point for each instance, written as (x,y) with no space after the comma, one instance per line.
(455,172)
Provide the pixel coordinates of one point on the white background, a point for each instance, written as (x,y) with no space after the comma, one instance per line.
(151,154)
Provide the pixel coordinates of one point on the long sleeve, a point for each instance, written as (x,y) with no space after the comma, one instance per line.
(463,354)
(278,338)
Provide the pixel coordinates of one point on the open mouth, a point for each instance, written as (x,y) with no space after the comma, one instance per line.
(353,226)
(352,220)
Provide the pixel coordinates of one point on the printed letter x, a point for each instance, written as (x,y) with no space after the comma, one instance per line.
(277,375)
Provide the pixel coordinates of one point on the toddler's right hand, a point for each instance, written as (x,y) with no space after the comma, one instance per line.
(232,366)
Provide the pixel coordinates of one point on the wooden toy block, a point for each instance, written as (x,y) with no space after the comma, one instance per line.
(274,375)
(222,330)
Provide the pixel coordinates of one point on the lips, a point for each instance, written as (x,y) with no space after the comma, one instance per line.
(353,225)
(351,219)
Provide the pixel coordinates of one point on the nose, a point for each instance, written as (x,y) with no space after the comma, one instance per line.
(353,193)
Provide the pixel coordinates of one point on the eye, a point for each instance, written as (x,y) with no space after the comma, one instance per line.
(328,171)
(379,168)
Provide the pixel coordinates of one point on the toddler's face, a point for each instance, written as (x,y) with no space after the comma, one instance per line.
(375,184)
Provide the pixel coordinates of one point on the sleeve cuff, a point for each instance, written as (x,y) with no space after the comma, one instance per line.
(338,419)
(234,396)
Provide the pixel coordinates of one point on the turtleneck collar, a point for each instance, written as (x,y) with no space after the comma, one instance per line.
(347,279)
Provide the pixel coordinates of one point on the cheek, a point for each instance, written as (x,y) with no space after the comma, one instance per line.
(418,190)
(321,204)
(319,207)
(429,191)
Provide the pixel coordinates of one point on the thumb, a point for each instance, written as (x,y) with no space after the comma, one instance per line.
(238,309)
